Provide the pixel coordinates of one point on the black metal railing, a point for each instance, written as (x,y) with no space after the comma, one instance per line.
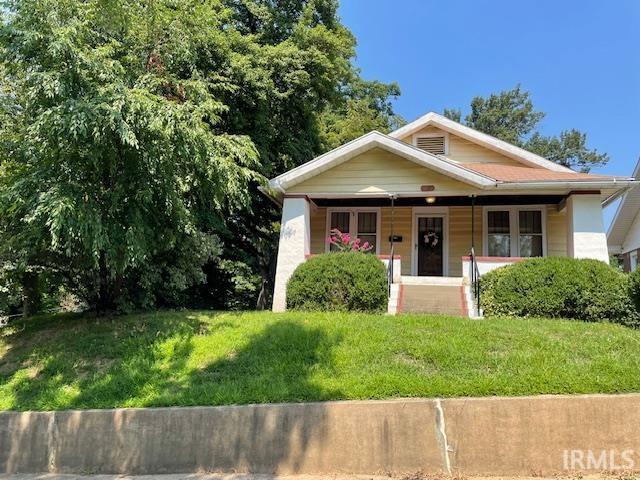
(390,272)
(475,281)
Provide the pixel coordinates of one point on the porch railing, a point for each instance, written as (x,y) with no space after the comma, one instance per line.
(475,281)
(390,273)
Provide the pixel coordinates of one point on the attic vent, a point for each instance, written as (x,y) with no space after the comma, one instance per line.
(434,145)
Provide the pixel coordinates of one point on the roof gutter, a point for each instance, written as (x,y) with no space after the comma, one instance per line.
(614,183)
(273,191)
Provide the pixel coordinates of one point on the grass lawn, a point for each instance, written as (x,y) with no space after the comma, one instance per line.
(209,358)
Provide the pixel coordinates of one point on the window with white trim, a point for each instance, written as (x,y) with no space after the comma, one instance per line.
(633,261)
(515,232)
(359,223)
(498,233)
(530,233)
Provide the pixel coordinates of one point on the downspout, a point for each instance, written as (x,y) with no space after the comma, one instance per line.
(474,274)
(391,239)
(473,222)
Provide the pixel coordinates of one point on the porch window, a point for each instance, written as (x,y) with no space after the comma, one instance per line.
(340,221)
(367,228)
(515,232)
(498,233)
(359,223)
(530,240)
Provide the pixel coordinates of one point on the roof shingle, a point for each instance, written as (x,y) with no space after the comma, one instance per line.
(513,173)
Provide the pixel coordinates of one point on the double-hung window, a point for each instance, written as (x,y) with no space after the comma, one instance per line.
(499,233)
(515,232)
(530,238)
(358,223)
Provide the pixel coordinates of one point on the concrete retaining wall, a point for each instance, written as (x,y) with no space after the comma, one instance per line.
(475,436)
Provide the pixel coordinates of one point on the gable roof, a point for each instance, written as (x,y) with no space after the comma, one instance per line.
(368,142)
(625,214)
(487,141)
(535,173)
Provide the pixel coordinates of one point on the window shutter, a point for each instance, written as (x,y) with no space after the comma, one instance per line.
(433,145)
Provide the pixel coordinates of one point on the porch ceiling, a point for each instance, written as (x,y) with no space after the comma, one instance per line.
(454,201)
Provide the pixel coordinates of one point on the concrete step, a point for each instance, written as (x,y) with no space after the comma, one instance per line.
(444,299)
(409,280)
(394,299)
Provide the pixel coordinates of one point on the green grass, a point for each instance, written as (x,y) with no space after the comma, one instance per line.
(206,358)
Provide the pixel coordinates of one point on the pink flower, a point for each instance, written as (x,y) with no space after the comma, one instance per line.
(346,238)
(365,245)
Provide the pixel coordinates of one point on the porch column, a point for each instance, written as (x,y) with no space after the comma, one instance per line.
(585,228)
(295,233)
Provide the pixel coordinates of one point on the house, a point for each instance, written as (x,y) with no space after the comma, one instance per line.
(441,203)
(623,236)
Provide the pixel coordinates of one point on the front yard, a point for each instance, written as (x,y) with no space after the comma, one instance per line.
(208,358)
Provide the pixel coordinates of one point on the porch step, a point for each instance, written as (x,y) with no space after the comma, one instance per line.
(444,299)
(409,280)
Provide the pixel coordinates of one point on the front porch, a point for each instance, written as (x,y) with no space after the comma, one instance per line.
(432,237)
(431,240)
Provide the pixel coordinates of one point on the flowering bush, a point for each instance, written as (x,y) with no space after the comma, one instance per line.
(344,243)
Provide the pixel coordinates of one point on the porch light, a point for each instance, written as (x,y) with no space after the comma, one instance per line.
(431,199)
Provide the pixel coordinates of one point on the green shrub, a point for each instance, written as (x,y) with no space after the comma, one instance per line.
(634,288)
(584,289)
(339,281)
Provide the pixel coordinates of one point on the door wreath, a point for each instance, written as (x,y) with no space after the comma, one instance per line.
(431,239)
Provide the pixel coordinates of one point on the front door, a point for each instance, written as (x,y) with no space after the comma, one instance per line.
(430,246)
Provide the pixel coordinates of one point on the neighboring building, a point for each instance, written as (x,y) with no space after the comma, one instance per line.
(623,236)
(429,194)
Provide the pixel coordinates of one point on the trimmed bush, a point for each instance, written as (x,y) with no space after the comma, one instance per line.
(634,288)
(339,281)
(558,287)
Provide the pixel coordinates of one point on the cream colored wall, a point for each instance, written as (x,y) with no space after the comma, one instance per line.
(556,232)
(318,224)
(379,171)
(464,151)
(459,234)
(401,226)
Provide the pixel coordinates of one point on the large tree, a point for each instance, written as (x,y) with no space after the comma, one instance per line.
(135,133)
(120,156)
(511,116)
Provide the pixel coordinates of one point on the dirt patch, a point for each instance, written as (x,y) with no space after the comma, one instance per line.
(425,368)
(97,366)
(8,368)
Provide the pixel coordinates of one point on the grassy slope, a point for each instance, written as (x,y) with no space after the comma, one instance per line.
(204,358)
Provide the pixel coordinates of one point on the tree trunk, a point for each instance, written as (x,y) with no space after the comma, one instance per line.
(31,295)
(268,273)
(105,301)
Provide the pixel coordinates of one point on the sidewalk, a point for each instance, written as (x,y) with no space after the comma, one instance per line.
(244,476)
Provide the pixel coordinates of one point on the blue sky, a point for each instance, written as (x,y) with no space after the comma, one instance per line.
(580,60)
